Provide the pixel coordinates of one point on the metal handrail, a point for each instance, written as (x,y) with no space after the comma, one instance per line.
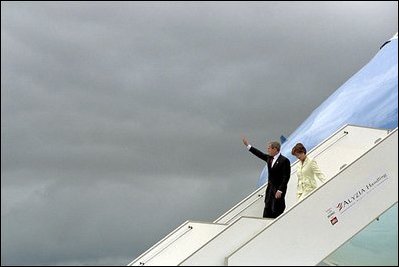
(345,133)
(247,206)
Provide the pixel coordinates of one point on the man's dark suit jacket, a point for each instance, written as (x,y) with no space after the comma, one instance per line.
(278,178)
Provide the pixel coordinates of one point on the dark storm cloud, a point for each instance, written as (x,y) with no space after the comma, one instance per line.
(112,113)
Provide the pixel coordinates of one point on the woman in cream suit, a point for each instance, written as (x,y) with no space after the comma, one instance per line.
(306,172)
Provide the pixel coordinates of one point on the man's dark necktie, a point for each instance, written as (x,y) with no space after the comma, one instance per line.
(271,161)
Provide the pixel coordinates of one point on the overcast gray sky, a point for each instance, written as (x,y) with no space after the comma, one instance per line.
(122,120)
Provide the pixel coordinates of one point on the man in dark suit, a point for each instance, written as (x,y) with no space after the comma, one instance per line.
(279,168)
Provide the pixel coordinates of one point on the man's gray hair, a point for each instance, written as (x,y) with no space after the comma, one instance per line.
(275,144)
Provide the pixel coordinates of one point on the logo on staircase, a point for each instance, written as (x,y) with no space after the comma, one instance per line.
(350,200)
(331,216)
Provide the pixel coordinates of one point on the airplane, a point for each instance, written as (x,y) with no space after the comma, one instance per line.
(369,98)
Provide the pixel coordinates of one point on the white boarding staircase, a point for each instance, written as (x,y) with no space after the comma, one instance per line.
(360,165)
